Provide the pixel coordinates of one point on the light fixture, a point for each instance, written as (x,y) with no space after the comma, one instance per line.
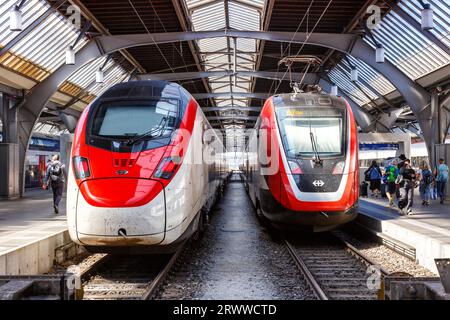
(70,55)
(354,74)
(99,76)
(15,19)
(427,17)
(334,90)
(379,54)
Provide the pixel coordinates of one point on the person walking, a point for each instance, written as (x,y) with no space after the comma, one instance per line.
(55,178)
(441,179)
(375,175)
(426,181)
(406,182)
(390,175)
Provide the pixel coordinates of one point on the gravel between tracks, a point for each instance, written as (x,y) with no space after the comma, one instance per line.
(235,259)
(390,260)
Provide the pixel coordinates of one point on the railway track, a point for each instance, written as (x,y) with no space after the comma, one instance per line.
(335,270)
(125,277)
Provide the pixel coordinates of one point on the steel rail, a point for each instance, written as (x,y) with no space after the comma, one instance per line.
(154,285)
(318,291)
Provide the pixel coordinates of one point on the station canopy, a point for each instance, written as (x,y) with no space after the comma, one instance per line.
(29,56)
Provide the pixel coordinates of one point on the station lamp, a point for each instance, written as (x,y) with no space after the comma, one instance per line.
(70,55)
(379,54)
(15,17)
(70,50)
(99,76)
(334,90)
(427,17)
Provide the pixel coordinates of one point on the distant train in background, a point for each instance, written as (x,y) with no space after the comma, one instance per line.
(41,148)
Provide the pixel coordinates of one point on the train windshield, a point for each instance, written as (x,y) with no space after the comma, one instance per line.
(312,132)
(153,119)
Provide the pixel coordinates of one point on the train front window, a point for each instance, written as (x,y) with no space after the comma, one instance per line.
(154,119)
(310,133)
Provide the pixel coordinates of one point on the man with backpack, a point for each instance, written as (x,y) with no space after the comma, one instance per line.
(390,175)
(55,178)
(441,179)
(374,172)
(426,180)
(406,181)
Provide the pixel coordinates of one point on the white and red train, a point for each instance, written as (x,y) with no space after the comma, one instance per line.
(138,179)
(300,165)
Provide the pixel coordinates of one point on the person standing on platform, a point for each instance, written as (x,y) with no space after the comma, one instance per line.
(401,161)
(375,175)
(426,181)
(391,173)
(406,182)
(441,179)
(55,178)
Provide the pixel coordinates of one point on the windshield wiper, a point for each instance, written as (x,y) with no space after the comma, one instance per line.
(149,134)
(317,159)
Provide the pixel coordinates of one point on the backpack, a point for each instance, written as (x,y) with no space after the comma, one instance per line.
(374,174)
(55,171)
(391,173)
(443,173)
(427,178)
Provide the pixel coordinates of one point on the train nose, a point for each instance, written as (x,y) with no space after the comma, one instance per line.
(123,192)
(120,211)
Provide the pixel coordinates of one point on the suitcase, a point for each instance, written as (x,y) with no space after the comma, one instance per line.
(363,189)
(383,190)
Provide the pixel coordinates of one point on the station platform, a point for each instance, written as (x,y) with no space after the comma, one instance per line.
(426,231)
(30,233)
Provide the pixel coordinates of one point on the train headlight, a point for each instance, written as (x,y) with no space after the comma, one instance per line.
(81,167)
(339,167)
(295,167)
(167,167)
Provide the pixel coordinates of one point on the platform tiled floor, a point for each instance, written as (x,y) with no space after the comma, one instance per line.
(27,220)
(436,216)
(427,230)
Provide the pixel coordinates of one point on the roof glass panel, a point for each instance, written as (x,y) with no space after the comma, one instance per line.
(407,47)
(217,53)
(45,45)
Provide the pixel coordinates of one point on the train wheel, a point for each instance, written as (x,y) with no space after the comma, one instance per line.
(202,222)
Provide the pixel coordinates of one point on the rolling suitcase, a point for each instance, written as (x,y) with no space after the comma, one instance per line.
(363,189)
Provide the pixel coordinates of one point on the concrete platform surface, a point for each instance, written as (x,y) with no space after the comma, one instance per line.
(30,232)
(427,229)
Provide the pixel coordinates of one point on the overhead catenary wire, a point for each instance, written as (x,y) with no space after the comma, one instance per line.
(287,48)
(306,40)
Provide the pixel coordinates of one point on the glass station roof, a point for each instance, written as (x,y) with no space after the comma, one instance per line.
(217,53)
(40,51)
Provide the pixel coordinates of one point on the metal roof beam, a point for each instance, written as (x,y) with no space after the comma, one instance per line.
(309,78)
(231,95)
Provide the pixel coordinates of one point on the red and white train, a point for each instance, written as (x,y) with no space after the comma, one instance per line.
(138,178)
(300,164)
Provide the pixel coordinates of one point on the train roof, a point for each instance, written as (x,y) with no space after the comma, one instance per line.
(308,99)
(147,88)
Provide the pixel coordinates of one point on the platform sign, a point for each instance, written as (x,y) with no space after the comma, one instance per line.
(378,146)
